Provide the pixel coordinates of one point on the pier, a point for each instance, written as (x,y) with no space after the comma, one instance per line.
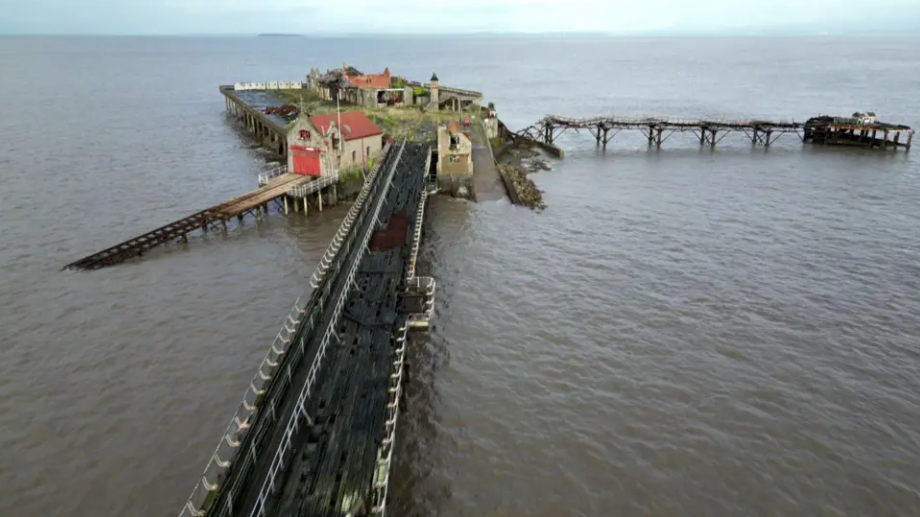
(314,434)
(826,130)
(274,186)
(249,105)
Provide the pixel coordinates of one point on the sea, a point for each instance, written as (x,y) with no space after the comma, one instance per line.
(682,331)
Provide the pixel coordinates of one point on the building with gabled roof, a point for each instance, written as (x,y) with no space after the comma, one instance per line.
(318,146)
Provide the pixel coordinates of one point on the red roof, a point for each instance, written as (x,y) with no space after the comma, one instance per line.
(354,125)
(374,81)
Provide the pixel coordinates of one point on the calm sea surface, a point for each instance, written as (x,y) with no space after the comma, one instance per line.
(682,332)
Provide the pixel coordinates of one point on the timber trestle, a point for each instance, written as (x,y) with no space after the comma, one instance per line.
(658,130)
(255,202)
(709,132)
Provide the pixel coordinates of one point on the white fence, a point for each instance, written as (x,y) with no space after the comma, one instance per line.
(266,177)
(270,85)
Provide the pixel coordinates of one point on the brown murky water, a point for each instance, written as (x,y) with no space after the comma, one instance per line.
(680,333)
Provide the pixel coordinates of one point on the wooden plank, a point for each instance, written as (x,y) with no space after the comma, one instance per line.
(136,246)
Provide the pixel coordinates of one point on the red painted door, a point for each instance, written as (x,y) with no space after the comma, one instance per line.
(306,160)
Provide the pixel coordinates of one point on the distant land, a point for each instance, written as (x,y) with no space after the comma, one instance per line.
(278,35)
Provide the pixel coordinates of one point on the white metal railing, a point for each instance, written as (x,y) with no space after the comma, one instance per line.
(266,177)
(417,235)
(326,261)
(314,186)
(269,85)
(385,452)
(427,286)
(418,284)
(460,91)
(277,465)
(210,481)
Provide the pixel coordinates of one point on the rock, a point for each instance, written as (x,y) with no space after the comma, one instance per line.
(527,192)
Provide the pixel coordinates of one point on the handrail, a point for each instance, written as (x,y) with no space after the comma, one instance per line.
(215,475)
(320,272)
(313,186)
(461,91)
(427,285)
(212,477)
(277,464)
(266,177)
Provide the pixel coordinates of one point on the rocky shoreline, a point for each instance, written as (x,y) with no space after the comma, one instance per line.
(515,163)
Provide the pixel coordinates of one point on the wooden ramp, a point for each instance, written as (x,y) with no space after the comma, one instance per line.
(178,230)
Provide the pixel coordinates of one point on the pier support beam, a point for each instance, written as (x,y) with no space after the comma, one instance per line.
(285,205)
(319,201)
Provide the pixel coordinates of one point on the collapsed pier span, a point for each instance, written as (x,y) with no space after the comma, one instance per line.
(826,130)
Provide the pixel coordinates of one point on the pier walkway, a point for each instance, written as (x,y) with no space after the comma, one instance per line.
(275,187)
(819,130)
(315,431)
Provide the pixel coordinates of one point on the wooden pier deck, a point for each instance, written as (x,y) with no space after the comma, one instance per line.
(819,130)
(203,220)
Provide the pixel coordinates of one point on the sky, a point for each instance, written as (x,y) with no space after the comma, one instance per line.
(325,17)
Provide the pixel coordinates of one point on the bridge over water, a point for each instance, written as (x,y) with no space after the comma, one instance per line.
(314,434)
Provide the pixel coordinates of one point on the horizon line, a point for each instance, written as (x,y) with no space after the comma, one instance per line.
(737,32)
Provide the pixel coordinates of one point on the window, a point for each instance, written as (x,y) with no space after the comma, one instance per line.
(354,155)
(304,134)
(368,151)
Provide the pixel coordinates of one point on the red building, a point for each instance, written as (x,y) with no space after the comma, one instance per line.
(318,146)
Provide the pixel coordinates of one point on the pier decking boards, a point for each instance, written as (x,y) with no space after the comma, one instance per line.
(337,456)
(203,220)
(319,437)
(334,474)
(820,130)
